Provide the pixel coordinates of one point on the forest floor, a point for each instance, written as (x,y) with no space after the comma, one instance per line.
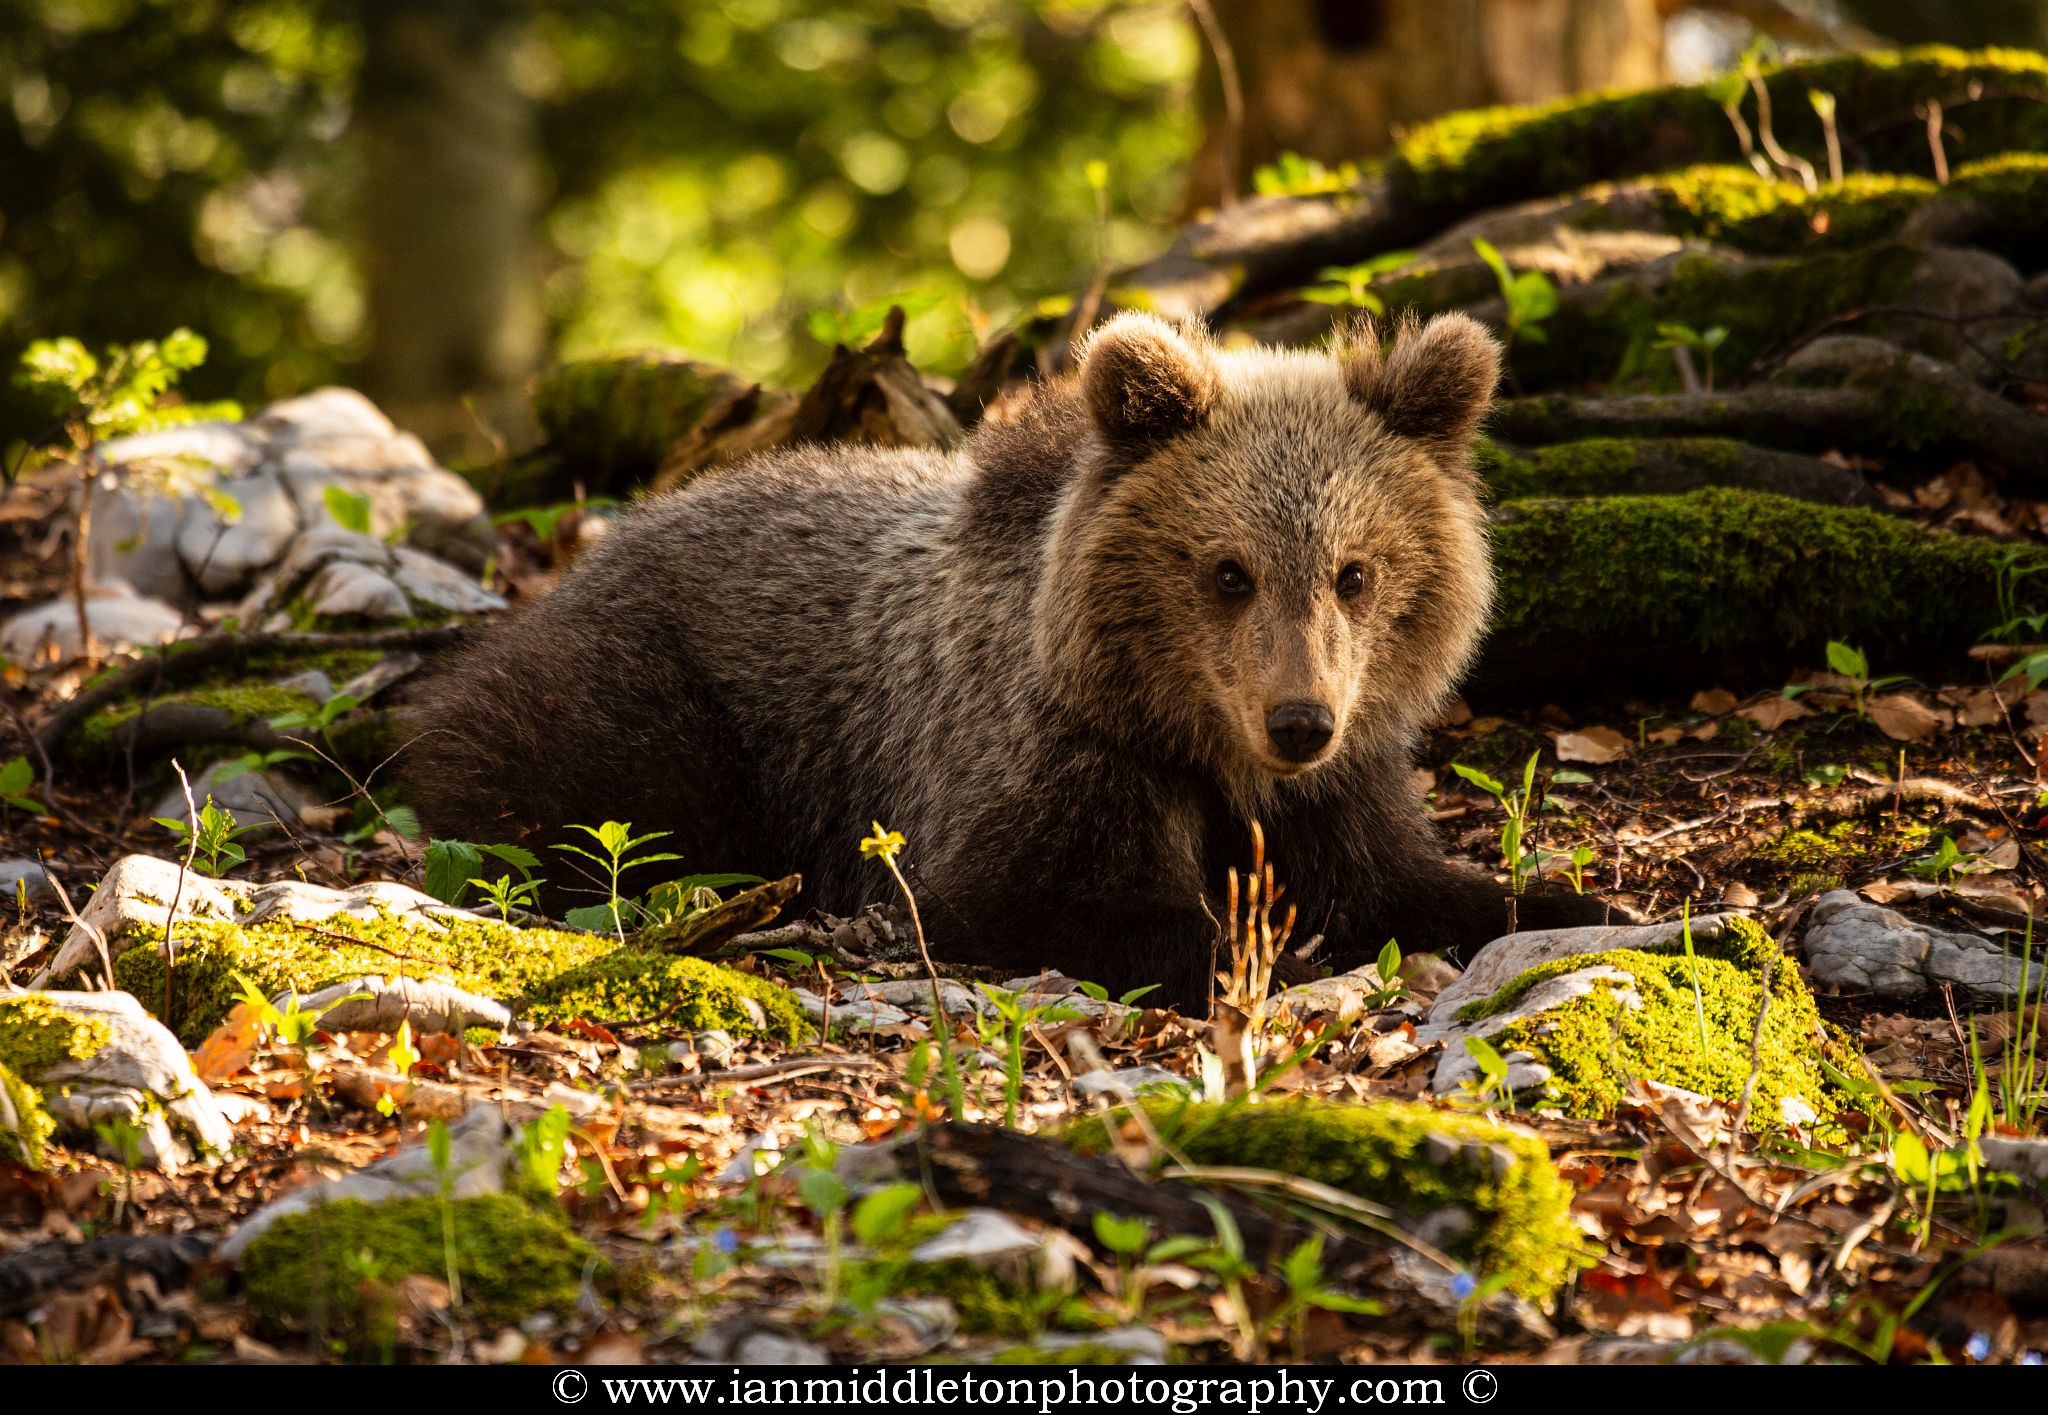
(1924,795)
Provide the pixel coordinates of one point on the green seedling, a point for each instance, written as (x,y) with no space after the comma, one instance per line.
(1530,296)
(214,852)
(617,842)
(17,779)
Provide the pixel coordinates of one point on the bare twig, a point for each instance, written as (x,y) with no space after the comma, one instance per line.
(178,890)
(1232,138)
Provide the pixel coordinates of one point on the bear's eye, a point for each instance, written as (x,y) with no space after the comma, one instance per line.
(1351,580)
(1231,580)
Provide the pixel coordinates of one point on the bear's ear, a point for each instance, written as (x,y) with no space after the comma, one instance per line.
(1145,381)
(1436,384)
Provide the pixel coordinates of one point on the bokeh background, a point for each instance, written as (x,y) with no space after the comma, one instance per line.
(430,199)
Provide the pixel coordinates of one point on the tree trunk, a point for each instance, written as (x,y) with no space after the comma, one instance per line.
(1334,80)
(448,215)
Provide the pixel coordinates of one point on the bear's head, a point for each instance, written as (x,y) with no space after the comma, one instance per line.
(1270,559)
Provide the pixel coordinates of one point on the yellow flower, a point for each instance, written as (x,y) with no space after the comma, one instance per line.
(882,845)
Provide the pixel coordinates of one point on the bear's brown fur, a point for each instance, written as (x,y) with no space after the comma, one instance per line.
(1070,662)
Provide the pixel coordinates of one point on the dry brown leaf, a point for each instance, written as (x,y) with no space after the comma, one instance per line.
(1773,713)
(1713,700)
(1596,745)
(1905,718)
(231,1046)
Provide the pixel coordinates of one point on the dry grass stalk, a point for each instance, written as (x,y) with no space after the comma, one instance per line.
(1255,945)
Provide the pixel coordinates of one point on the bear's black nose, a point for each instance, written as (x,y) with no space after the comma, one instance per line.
(1300,730)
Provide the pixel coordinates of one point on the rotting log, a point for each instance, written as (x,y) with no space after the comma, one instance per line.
(1666,466)
(1446,170)
(1656,592)
(1882,401)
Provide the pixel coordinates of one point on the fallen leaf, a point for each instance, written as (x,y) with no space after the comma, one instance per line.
(1773,713)
(230,1047)
(1713,700)
(1597,745)
(1904,718)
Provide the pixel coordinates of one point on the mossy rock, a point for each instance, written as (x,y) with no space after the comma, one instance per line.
(35,1035)
(612,419)
(323,1265)
(689,994)
(1686,1022)
(25,1126)
(548,975)
(1494,156)
(1411,1159)
(1722,583)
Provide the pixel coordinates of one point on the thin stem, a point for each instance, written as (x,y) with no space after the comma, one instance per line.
(1233,100)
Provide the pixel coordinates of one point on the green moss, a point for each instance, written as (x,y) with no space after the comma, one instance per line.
(552,974)
(242,704)
(689,993)
(1733,206)
(1491,157)
(1760,301)
(514,1259)
(614,418)
(36,1033)
(1522,1226)
(1605,466)
(1721,581)
(1596,1044)
(32,1123)
(990,1305)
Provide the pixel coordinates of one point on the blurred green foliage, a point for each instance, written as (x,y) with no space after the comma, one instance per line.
(715,172)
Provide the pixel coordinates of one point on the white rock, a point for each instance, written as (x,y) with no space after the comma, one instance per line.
(1500,962)
(380,1004)
(1130,1079)
(477,1151)
(15,873)
(142,1075)
(915,995)
(2028,1158)
(983,1236)
(138,889)
(862,1014)
(1859,947)
(346,588)
(255,797)
(120,619)
(221,553)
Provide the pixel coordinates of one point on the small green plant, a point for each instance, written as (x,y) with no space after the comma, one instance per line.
(17,779)
(543,1145)
(617,841)
(1013,1018)
(542,520)
(215,852)
(1824,109)
(320,718)
(1308,1289)
(1692,964)
(861,323)
(1292,175)
(1493,1073)
(1350,286)
(122,1139)
(1853,665)
(1581,856)
(1392,989)
(1521,807)
(121,391)
(1944,864)
(1530,297)
(440,1152)
(1683,336)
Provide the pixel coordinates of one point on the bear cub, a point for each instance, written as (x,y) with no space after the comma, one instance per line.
(1070,661)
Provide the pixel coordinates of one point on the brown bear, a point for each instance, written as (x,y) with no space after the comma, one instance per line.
(1070,662)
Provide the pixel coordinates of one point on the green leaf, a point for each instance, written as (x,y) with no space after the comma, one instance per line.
(449,866)
(1389,965)
(1848,662)
(1122,1236)
(16,777)
(596,918)
(1480,779)
(350,510)
(881,1215)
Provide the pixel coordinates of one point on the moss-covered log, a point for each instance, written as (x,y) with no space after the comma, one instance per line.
(1657,591)
(1872,398)
(1619,466)
(1465,162)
